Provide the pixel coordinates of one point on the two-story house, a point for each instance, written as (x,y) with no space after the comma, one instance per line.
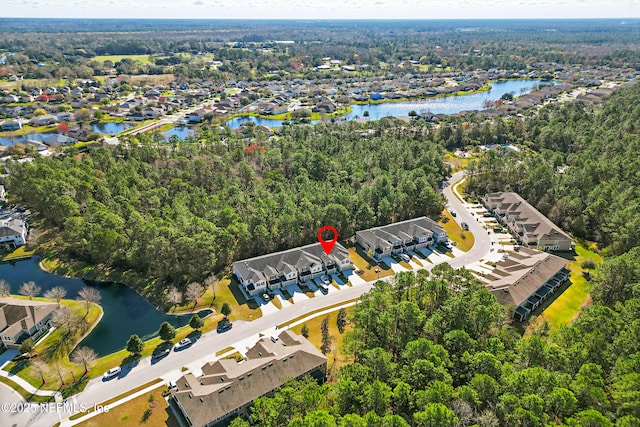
(13,231)
(227,389)
(400,237)
(22,319)
(277,270)
(527,225)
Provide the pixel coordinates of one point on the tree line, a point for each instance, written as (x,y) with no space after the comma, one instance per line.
(178,213)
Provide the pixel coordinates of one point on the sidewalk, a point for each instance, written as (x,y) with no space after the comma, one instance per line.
(69,422)
(22,383)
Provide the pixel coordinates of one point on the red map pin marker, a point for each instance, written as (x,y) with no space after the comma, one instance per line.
(328,245)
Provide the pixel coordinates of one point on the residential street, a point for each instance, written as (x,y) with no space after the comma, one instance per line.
(244,334)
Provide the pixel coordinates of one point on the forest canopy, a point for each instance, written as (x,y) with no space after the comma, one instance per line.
(433,350)
(180,212)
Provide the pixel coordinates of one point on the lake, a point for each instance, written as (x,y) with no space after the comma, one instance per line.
(436,105)
(110,128)
(181,132)
(125,311)
(103,128)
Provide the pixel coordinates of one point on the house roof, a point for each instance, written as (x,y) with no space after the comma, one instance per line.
(21,315)
(284,262)
(538,226)
(519,276)
(11,227)
(226,385)
(403,230)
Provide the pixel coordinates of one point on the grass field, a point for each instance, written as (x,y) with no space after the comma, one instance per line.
(149,409)
(464,239)
(19,253)
(144,59)
(363,264)
(564,309)
(457,163)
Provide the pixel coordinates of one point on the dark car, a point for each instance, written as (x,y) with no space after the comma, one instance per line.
(161,353)
(224,326)
(465,226)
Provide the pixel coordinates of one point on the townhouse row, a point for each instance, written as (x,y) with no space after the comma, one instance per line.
(274,271)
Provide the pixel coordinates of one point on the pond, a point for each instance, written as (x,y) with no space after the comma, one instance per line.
(436,105)
(32,136)
(182,132)
(103,128)
(125,311)
(110,128)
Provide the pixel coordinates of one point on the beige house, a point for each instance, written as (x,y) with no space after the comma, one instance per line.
(525,279)
(21,319)
(527,225)
(227,389)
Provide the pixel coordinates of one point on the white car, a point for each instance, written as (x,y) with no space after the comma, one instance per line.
(266,297)
(182,344)
(405,257)
(324,279)
(112,373)
(324,286)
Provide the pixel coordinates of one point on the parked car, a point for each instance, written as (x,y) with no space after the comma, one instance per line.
(161,353)
(465,226)
(324,279)
(453,213)
(266,297)
(112,373)
(182,344)
(487,215)
(447,245)
(324,286)
(405,257)
(223,326)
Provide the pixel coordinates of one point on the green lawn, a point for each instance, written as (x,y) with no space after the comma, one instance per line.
(464,239)
(564,309)
(150,409)
(19,253)
(117,58)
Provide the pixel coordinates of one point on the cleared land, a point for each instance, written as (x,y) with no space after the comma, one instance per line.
(336,358)
(150,409)
(144,59)
(567,306)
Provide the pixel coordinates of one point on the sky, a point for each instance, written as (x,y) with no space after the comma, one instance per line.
(321,9)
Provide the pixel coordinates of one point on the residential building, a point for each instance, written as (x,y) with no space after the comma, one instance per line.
(58,139)
(10,125)
(525,279)
(401,237)
(277,270)
(227,388)
(13,231)
(527,225)
(21,319)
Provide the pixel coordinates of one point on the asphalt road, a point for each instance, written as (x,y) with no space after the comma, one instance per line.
(243,333)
